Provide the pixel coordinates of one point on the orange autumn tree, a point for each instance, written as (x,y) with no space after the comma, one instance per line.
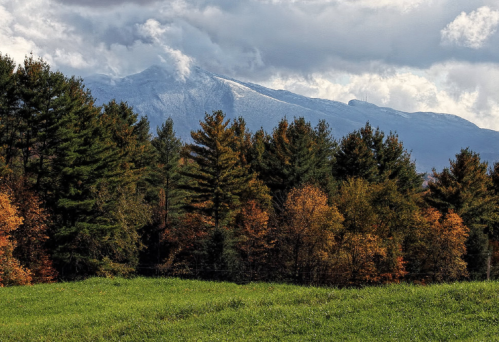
(369,247)
(439,246)
(308,236)
(31,235)
(11,272)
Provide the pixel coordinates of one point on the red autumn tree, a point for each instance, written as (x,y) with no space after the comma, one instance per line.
(255,239)
(181,240)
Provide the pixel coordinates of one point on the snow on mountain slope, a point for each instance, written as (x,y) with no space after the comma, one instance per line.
(432,138)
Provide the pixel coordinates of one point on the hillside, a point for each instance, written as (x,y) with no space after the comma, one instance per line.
(157,93)
(182,310)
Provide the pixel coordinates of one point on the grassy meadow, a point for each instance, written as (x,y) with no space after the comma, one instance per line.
(165,309)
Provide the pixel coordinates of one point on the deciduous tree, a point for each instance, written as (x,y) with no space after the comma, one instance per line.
(308,236)
(11,271)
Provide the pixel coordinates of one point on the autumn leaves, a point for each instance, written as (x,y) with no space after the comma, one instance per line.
(92,190)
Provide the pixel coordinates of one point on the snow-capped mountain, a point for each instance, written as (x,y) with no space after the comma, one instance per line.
(432,138)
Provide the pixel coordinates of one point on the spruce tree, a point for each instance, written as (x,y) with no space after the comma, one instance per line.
(325,147)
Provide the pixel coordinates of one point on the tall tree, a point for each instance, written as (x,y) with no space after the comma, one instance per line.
(216,179)
(168,198)
(465,187)
(309,233)
(9,104)
(168,147)
(45,99)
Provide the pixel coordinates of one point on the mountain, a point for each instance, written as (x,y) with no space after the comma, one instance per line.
(157,93)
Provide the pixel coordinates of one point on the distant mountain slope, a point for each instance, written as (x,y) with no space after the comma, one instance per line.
(433,138)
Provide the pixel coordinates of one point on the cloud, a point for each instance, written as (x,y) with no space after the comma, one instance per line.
(457,88)
(104,3)
(15,45)
(160,35)
(395,52)
(471,30)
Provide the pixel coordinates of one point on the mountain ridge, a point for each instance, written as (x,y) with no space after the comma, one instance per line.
(158,93)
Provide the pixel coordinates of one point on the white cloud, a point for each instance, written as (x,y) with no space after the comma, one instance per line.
(11,43)
(444,88)
(473,29)
(160,35)
(401,5)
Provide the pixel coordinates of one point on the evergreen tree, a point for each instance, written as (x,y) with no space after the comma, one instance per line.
(168,148)
(324,157)
(255,189)
(367,154)
(79,168)
(216,179)
(295,154)
(44,100)
(465,187)
(97,197)
(9,103)
(167,197)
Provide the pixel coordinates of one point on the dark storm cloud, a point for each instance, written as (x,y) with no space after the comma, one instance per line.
(300,36)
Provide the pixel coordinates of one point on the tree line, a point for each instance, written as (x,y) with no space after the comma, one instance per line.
(88,191)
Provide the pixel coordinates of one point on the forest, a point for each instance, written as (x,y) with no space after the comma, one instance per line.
(88,191)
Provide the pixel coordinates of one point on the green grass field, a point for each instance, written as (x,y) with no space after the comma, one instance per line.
(144,309)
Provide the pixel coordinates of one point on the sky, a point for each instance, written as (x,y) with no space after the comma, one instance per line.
(410,55)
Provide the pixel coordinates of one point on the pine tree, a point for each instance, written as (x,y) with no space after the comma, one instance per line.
(216,179)
(325,147)
(295,154)
(465,187)
(45,99)
(255,189)
(9,104)
(166,197)
(168,148)
(368,154)
(79,168)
